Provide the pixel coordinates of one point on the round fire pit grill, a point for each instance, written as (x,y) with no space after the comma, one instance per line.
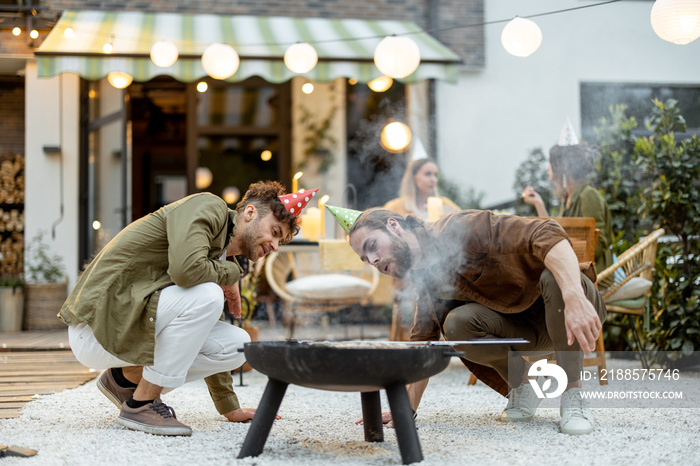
(362,366)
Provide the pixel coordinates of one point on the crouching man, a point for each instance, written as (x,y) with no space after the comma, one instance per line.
(478,275)
(149,307)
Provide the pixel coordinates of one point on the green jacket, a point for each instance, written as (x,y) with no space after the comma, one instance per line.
(117,294)
(586,201)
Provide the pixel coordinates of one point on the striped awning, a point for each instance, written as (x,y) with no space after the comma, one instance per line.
(345,46)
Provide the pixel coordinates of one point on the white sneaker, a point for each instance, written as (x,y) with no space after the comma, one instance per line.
(576,417)
(522,403)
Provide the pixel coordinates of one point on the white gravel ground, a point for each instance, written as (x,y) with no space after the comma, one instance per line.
(457,425)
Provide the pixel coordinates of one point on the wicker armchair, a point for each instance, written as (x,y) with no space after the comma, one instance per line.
(625,285)
(312,280)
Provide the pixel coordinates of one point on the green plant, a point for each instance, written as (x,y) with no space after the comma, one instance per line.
(470,199)
(318,142)
(41,267)
(618,177)
(532,172)
(673,202)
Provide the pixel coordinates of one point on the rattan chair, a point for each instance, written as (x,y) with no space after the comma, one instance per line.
(312,280)
(626,285)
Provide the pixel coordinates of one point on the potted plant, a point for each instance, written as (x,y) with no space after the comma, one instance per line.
(46,286)
(11,283)
(11,303)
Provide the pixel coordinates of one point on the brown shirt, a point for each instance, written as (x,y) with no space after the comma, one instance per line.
(494,260)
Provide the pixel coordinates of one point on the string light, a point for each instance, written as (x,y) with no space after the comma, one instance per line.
(16,31)
(231,62)
(521,37)
(202,86)
(307,88)
(164,53)
(34,34)
(119,79)
(397,57)
(301,58)
(220,61)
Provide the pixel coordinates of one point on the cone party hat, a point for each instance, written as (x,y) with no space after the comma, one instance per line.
(346,217)
(567,137)
(294,202)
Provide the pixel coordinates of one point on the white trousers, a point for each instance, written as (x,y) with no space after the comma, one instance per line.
(191,342)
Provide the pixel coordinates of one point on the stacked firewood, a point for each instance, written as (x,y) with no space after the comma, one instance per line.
(11,255)
(11,220)
(12,180)
(11,215)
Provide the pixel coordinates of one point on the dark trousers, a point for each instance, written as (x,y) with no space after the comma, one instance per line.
(542,324)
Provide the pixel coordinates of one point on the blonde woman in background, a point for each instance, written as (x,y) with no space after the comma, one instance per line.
(419,182)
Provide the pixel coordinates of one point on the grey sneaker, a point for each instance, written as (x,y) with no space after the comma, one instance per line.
(522,403)
(576,418)
(154,418)
(116,394)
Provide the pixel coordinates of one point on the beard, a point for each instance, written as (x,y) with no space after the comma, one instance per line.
(250,241)
(402,258)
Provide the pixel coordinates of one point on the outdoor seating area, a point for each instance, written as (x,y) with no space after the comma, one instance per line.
(375,232)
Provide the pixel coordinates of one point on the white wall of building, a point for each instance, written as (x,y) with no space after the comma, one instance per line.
(51,112)
(492,118)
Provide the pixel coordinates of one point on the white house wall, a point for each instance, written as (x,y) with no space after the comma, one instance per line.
(51,113)
(489,122)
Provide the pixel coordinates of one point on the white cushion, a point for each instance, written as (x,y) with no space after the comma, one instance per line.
(329,286)
(634,288)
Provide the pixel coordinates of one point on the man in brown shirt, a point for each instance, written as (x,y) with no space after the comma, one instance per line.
(480,275)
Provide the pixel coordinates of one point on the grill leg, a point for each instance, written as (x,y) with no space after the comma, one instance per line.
(402,414)
(372,417)
(264,417)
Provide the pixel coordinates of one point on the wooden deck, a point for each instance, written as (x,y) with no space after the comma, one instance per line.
(36,363)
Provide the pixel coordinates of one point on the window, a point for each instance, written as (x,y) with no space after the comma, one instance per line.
(597,98)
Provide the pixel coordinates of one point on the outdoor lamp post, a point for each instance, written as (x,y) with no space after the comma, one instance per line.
(380,84)
(521,37)
(395,137)
(119,79)
(300,57)
(220,61)
(397,57)
(676,21)
(164,53)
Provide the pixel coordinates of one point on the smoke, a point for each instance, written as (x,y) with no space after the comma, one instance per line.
(375,172)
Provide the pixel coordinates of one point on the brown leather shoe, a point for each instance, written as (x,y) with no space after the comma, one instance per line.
(116,394)
(154,418)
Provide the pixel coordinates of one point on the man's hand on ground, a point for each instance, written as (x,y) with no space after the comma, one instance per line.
(386,419)
(242,415)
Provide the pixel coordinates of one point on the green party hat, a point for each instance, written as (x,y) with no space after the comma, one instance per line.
(346,217)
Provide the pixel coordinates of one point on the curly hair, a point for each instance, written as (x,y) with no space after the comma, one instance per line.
(264,195)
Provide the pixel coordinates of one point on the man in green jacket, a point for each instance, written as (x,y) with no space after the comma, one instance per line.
(148,308)
(478,275)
